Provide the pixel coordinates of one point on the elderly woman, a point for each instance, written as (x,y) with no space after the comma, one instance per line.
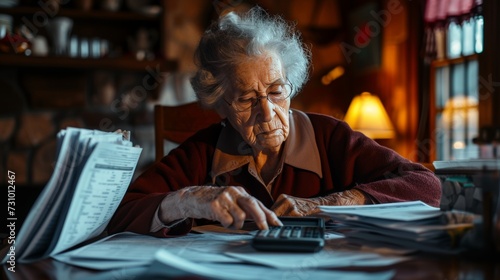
(264,160)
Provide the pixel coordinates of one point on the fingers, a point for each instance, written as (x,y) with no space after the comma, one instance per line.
(271,217)
(287,205)
(259,213)
(228,214)
(284,206)
(125,133)
(233,205)
(227,209)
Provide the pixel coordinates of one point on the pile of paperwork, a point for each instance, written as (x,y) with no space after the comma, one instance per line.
(92,173)
(413,225)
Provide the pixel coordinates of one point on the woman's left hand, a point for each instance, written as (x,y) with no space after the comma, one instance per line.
(287,205)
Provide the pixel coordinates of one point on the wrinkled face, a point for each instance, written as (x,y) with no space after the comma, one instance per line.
(264,126)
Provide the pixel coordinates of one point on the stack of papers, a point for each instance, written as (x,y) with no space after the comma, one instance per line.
(467,164)
(92,173)
(413,225)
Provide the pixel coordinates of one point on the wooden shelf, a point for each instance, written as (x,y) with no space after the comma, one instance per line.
(92,20)
(79,14)
(126,64)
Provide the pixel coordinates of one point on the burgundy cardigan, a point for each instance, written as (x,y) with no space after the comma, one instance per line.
(348,159)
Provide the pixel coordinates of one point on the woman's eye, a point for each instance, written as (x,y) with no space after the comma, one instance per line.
(276,90)
(245,99)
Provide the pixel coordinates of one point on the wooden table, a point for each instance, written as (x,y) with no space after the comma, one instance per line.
(427,267)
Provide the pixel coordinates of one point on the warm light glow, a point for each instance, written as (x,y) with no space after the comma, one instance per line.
(459,108)
(459,145)
(335,73)
(366,114)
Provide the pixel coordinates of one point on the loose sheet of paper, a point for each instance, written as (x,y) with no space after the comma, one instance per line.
(101,186)
(168,264)
(135,249)
(326,258)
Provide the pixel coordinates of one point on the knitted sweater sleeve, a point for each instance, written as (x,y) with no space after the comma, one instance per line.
(352,160)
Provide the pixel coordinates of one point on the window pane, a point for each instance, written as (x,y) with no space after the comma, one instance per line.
(458,80)
(458,138)
(442,86)
(472,149)
(472,79)
(479,27)
(442,139)
(468,37)
(454,40)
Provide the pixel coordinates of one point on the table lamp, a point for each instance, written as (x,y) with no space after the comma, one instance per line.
(366,114)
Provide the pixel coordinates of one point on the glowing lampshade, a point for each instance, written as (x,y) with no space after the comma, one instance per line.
(366,114)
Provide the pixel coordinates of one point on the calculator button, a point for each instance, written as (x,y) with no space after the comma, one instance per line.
(274,232)
(308,232)
(296,231)
(286,232)
(263,233)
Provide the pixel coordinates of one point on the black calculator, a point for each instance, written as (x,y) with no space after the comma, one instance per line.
(298,234)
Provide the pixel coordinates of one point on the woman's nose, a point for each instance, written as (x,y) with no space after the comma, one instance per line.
(266,109)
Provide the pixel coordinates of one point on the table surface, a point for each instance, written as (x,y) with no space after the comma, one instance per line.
(420,266)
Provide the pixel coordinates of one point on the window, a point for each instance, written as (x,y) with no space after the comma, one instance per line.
(454,91)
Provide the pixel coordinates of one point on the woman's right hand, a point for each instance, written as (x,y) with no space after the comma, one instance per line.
(230,206)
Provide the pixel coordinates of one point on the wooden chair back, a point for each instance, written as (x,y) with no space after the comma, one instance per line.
(177,123)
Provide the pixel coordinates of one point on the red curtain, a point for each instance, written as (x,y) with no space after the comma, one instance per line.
(439,14)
